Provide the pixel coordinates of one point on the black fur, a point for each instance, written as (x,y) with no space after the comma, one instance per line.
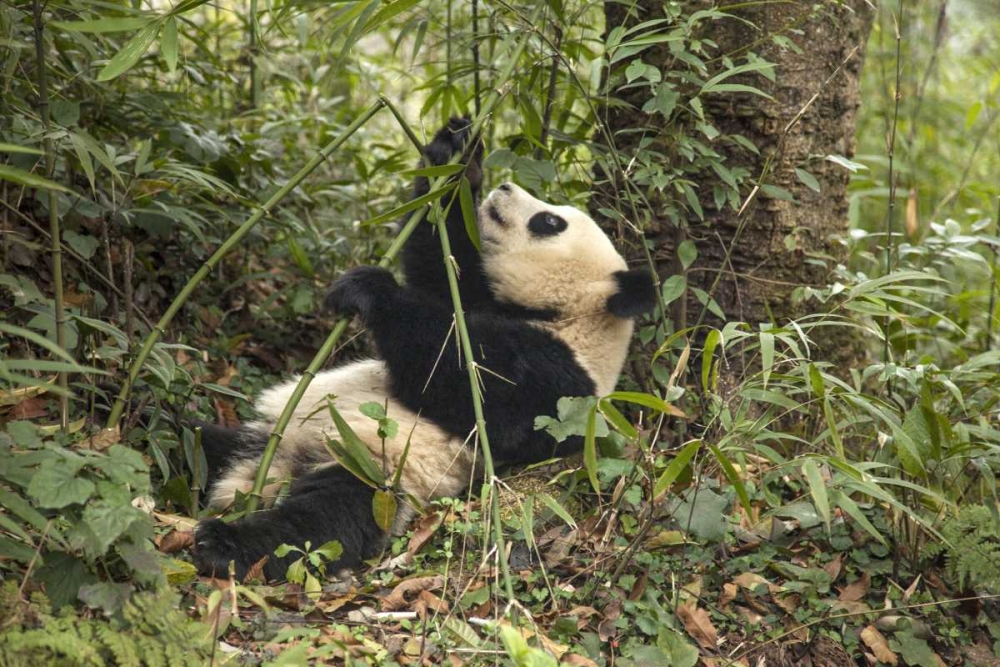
(421,256)
(328,504)
(636,294)
(535,368)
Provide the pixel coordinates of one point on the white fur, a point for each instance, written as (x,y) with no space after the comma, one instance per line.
(571,272)
(438,464)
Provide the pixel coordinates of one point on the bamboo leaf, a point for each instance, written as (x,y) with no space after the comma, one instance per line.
(168,45)
(15,148)
(413,204)
(766,355)
(384,509)
(676,467)
(468,211)
(117,24)
(817,489)
(22,177)
(590,450)
(707,357)
(734,478)
(646,400)
(130,53)
(617,419)
(556,508)
(355,448)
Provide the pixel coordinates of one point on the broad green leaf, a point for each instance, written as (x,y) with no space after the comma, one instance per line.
(22,177)
(673,288)
(119,24)
(56,485)
(384,509)
(676,467)
(168,45)
(854,167)
(125,59)
(807,179)
(817,489)
(687,252)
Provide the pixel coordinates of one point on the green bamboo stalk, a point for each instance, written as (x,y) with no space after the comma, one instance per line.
(254,49)
(477,404)
(56,246)
(224,249)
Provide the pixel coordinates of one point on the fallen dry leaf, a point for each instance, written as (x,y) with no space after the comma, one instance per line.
(577,660)
(428,602)
(174,541)
(876,641)
(256,571)
(423,531)
(857,590)
(29,408)
(833,567)
(396,600)
(698,624)
(102,440)
(729,593)
(606,628)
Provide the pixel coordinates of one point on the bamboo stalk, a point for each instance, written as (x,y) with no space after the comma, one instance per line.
(223,250)
(254,49)
(495,95)
(55,246)
(477,404)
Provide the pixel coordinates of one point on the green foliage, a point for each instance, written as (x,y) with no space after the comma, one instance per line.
(971,547)
(308,570)
(149,631)
(77,511)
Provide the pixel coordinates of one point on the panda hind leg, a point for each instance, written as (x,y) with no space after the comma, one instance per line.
(328,504)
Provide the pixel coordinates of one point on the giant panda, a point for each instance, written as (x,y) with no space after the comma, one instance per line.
(549,307)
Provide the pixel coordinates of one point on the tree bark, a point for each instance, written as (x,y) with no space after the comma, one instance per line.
(755,262)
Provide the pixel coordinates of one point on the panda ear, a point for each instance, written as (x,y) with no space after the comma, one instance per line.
(636,293)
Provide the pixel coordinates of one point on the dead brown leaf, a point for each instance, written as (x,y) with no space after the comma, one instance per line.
(577,660)
(698,624)
(833,567)
(606,628)
(876,641)
(256,571)
(176,520)
(396,599)
(582,615)
(428,602)
(29,408)
(102,440)
(857,590)
(226,413)
(174,541)
(729,593)
(423,531)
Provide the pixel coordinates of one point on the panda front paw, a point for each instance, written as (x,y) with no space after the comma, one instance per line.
(216,544)
(456,137)
(360,290)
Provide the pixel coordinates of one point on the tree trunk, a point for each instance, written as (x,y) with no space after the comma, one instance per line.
(755,257)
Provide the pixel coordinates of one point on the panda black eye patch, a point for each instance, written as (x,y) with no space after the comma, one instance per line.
(544,223)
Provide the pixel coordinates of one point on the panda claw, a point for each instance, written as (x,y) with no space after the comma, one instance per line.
(455,137)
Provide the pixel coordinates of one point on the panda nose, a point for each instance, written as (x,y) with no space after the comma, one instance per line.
(504,187)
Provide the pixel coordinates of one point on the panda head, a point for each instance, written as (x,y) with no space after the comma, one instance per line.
(556,258)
